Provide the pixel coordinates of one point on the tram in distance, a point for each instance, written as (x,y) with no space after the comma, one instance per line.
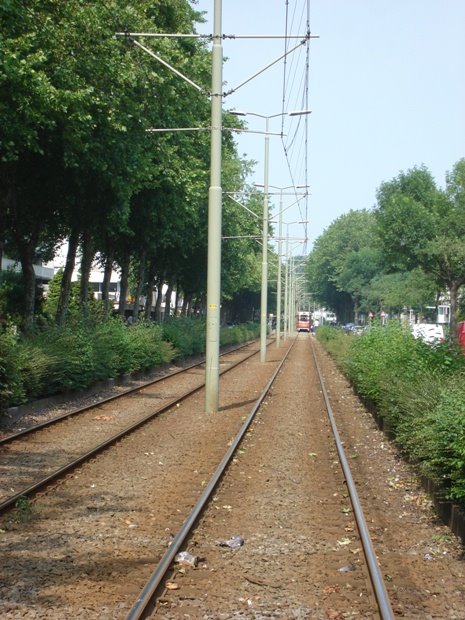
(303,322)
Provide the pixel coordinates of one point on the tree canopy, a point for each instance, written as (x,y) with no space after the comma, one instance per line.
(406,252)
(76,161)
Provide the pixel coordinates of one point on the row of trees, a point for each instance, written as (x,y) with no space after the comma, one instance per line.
(76,161)
(408,251)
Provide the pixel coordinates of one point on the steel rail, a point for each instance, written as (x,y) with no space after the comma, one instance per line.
(26,431)
(376,577)
(59,473)
(146,596)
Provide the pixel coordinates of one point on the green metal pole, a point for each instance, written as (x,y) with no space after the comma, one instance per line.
(286,289)
(264,290)
(292,304)
(278,291)
(214,223)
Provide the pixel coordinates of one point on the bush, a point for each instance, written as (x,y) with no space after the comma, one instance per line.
(64,358)
(74,357)
(239,333)
(112,348)
(12,390)
(187,335)
(335,341)
(420,390)
(435,437)
(11,295)
(147,347)
(378,356)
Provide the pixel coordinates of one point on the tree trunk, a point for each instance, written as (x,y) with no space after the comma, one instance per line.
(168,294)
(185,305)
(123,293)
(88,253)
(159,299)
(150,286)
(8,199)
(454,289)
(139,285)
(176,301)
(108,270)
(26,255)
(65,289)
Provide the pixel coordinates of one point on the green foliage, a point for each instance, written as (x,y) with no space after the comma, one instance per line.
(380,355)
(436,437)
(187,335)
(335,341)
(419,390)
(423,227)
(239,333)
(74,357)
(11,380)
(343,261)
(112,349)
(394,291)
(24,511)
(147,347)
(50,303)
(11,296)
(59,359)
(405,252)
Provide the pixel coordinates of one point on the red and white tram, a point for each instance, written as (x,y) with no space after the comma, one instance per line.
(303,321)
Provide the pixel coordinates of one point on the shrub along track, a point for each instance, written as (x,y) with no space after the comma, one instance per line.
(86,550)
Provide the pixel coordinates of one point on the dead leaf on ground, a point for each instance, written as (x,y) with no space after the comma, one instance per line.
(171,586)
(333,614)
(103,418)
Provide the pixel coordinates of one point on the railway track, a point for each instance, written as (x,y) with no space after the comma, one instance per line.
(92,547)
(34,457)
(163,582)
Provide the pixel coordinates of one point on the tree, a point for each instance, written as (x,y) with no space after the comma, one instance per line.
(423,227)
(75,105)
(356,275)
(393,292)
(343,261)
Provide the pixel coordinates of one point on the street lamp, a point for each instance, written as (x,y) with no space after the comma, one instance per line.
(264,283)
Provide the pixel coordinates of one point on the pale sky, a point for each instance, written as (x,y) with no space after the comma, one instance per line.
(386,90)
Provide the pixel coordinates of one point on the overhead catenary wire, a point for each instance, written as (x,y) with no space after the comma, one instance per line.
(296,84)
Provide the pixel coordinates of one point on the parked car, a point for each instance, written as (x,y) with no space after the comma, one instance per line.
(352,328)
(430,333)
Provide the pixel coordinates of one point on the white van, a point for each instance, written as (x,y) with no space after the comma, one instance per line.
(428,332)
